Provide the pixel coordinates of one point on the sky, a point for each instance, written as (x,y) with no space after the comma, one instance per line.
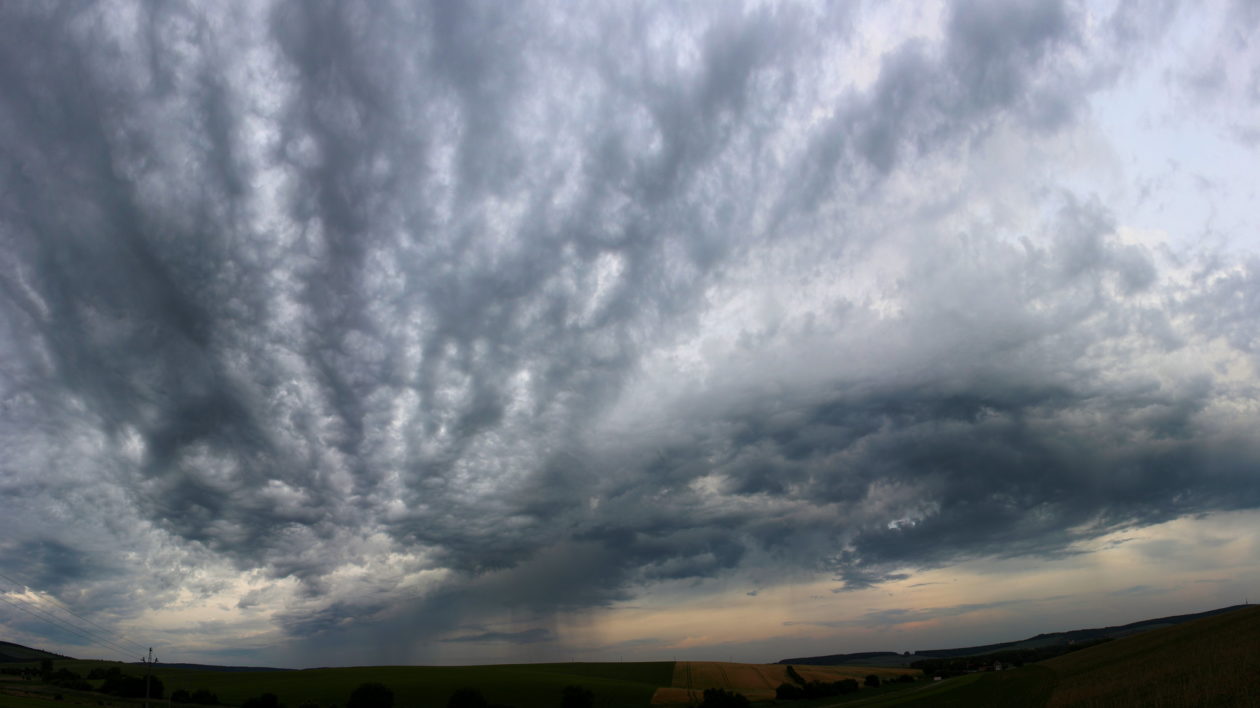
(344,333)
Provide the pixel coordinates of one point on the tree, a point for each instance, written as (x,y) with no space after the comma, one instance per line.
(789,692)
(577,697)
(791,672)
(872,681)
(371,695)
(266,700)
(125,686)
(466,698)
(718,698)
(203,697)
(99,673)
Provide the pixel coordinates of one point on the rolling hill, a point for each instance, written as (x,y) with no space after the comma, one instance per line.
(1041,640)
(10,652)
(1210,658)
(1210,661)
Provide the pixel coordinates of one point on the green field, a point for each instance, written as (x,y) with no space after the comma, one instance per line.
(24,702)
(615,685)
(1213,661)
(10,651)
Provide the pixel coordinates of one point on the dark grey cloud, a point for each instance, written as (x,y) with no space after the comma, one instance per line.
(527,636)
(900,615)
(369,300)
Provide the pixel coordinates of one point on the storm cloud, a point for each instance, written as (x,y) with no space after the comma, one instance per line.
(395,319)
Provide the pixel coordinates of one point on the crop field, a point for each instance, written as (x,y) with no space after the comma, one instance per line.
(756,681)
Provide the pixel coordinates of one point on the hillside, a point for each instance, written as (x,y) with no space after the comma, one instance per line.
(1039,641)
(1211,661)
(615,685)
(10,652)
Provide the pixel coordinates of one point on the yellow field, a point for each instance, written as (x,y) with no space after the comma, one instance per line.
(756,681)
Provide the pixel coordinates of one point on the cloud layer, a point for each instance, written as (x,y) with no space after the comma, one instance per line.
(454,320)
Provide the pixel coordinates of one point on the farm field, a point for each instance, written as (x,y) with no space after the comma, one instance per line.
(520,685)
(1214,661)
(1210,661)
(615,685)
(756,681)
(16,701)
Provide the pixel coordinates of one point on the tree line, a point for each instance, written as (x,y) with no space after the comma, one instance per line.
(955,666)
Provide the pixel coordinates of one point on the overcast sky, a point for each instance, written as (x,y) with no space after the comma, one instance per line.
(341,332)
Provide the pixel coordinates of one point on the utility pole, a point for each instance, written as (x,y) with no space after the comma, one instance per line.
(148,671)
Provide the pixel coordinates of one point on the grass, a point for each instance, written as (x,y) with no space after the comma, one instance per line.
(17,651)
(9,701)
(1214,661)
(23,695)
(1026,687)
(615,685)
(522,685)
(759,681)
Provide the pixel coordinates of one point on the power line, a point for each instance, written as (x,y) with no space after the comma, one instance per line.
(66,608)
(41,614)
(66,626)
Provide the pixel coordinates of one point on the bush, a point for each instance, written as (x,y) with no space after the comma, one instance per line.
(791,672)
(718,698)
(789,692)
(99,673)
(815,689)
(371,695)
(467,698)
(872,681)
(577,697)
(266,700)
(64,678)
(126,686)
(203,697)
(63,675)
